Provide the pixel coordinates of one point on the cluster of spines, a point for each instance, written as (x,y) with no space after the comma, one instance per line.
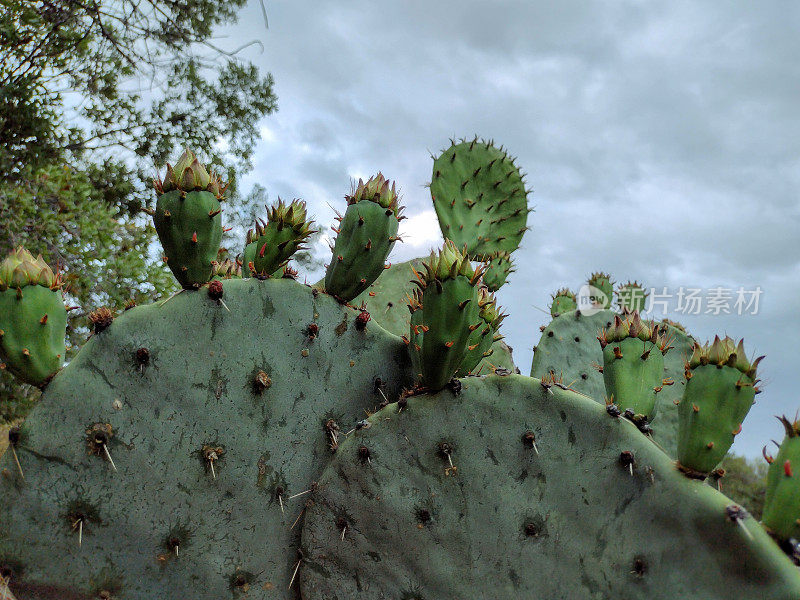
(271,243)
(499,266)
(602,282)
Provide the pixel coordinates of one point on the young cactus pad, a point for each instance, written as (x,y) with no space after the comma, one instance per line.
(568,347)
(511,490)
(631,297)
(633,363)
(270,245)
(782,503)
(479,344)
(365,237)
(720,389)
(214,420)
(563,302)
(498,267)
(33,319)
(188,220)
(603,291)
(444,313)
(480,198)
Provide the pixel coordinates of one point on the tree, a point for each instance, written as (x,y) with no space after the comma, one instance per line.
(94,96)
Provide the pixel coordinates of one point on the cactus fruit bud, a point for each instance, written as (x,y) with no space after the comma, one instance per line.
(782,502)
(633,363)
(481,338)
(720,383)
(365,237)
(188,220)
(271,244)
(33,319)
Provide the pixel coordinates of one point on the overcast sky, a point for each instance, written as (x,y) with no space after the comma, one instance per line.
(662,142)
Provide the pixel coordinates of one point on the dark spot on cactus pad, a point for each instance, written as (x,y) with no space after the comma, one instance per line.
(341,524)
(613,410)
(79,515)
(364,454)
(98,436)
(736,513)
(584,376)
(14,436)
(215,290)
(142,356)
(444,450)
(626,458)
(423,516)
(11,569)
(341,327)
(528,439)
(639,567)
(389,305)
(240,581)
(177,540)
(531,530)
(454,385)
(550,334)
(361,320)
(101,319)
(312,331)
(577,339)
(261,382)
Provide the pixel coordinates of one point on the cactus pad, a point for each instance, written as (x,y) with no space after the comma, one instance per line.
(782,502)
(270,245)
(498,267)
(602,283)
(480,198)
(213,420)
(515,490)
(564,301)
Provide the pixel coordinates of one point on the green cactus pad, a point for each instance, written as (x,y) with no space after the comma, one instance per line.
(444,313)
(563,302)
(385,300)
(602,282)
(366,234)
(633,363)
(498,268)
(480,198)
(270,245)
(512,490)
(33,319)
(568,347)
(782,502)
(172,389)
(720,390)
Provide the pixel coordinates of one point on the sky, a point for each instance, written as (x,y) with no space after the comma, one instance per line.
(661,142)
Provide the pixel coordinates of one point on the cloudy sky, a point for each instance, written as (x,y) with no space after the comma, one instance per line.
(662,142)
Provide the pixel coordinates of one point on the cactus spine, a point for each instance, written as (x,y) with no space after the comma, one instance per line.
(33,320)
(365,237)
(270,245)
(188,220)
(444,313)
(720,389)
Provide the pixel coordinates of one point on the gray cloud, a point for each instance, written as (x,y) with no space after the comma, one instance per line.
(662,141)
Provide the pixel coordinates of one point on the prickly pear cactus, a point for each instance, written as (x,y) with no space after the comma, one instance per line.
(215,419)
(498,267)
(270,245)
(480,198)
(444,313)
(33,319)
(366,235)
(385,300)
(782,502)
(188,220)
(563,302)
(569,348)
(720,390)
(516,490)
(633,363)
